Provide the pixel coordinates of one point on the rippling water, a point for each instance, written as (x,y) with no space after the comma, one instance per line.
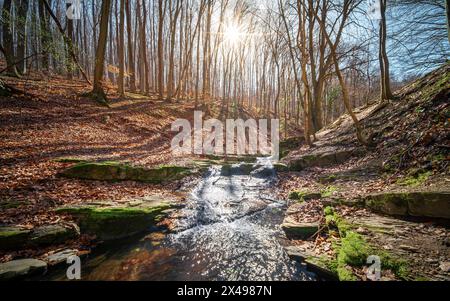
(229,230)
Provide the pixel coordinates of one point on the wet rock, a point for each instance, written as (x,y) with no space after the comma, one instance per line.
(298,230)
(13,237)
(280,167)
(116,171)
(243,169)
(418,204)
(445,266)
(20,268)
(60,257)
(116,222)
(53,234)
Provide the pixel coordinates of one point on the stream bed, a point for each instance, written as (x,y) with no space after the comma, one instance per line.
(228,230)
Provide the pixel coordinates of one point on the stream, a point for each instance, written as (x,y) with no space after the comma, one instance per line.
(229,230)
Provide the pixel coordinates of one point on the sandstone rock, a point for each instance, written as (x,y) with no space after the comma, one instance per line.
(419,204)
(297,230)
(20,268)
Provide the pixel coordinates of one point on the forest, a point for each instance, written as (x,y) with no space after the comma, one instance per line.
(93,91)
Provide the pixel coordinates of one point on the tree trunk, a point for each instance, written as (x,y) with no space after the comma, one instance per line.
(121,49)
(45,35)
(22,13)
(160,48)
(386,92)
(8,39)
(98,91)
(131,66)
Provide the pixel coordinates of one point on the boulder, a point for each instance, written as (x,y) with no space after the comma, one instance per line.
(280,167)
(304,195)
(13,237)
(115,171)
(417,204)
(118,221)
(53,234)
(298,230)
(321,159)
(17,269)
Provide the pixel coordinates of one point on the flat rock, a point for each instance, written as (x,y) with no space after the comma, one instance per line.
(60,257)
(20,268)
(298,230)
(116,171)
(322,159)
(119,221)
(417,204)
(12,237)
(53,234)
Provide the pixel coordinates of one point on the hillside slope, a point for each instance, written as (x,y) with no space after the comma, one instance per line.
(392,201)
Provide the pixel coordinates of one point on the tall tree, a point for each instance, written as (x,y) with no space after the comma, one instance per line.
(8,41)
(122,48)
(161,13)
(386,92)
(131,65)
(97,92)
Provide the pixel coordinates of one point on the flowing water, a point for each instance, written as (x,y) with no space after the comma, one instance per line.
(228,230)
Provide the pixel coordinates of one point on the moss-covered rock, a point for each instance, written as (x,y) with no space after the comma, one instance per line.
(115,171)
(304,195)
(418,204)
(116,222)
(13,237)
(280,167)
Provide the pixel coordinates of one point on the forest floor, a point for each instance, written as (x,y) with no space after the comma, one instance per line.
(52,121)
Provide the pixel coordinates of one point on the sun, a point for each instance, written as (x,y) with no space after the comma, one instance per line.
(232,34)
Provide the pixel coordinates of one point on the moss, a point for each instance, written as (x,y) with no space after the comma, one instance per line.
(329,191)
(70,160)
(303,195)
(354,250)
(415,180)
(345,274)
(13,237)
(396,265)
(116,222)
(116,171)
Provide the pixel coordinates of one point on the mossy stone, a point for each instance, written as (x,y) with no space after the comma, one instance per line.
(111,223)
(13,237)
(115,171)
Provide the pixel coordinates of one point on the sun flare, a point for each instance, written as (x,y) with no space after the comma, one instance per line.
(232,34)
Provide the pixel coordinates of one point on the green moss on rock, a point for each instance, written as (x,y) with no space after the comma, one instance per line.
(13,237)
(112,223)
(116,171)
